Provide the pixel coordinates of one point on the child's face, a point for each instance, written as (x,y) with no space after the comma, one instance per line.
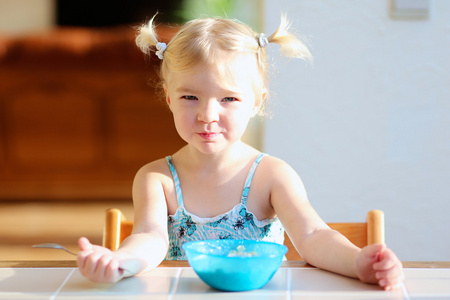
(211,112)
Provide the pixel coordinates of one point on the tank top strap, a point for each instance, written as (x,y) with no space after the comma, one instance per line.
(176,180)
(248,181)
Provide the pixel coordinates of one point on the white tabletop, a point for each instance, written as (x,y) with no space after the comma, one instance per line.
(183,283)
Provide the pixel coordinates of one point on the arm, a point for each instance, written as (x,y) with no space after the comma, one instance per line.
(321,246)
(146,247)
(310,235)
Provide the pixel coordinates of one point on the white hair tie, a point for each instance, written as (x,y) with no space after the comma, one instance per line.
(161,47)
(262,40)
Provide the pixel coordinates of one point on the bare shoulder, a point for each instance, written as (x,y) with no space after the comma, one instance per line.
(281,177)
(277,168)
(156,167)
(152,177)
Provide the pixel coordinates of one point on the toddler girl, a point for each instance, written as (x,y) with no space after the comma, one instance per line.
(213,72)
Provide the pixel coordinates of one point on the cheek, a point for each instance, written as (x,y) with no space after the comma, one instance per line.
(182,129)
(183,122)
(240,119)
(249,110)
(179,119)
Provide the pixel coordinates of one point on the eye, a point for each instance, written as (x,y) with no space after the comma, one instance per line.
(189,97)
(229,99)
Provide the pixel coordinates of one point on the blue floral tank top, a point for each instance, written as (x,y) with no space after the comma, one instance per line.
(238,223)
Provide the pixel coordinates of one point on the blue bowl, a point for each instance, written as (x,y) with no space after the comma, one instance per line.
(211,261)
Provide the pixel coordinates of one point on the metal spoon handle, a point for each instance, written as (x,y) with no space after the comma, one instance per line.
(53,246)
(127,265)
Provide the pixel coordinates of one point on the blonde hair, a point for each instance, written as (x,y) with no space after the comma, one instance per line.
(213,40)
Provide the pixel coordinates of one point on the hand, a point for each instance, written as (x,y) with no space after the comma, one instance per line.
(99,264)
(378,264)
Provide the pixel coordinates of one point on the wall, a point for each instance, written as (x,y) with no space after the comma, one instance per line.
(367,124)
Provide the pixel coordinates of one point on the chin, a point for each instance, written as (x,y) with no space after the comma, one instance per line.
(209,148)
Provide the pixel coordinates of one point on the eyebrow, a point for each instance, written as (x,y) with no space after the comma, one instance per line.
(186,90)
(189,90)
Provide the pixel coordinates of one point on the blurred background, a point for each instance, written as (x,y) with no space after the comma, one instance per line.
(366,124)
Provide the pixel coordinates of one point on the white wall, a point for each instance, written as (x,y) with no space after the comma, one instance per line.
(368,124)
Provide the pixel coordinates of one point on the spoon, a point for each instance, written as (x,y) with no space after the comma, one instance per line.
(53,246)
(129,266)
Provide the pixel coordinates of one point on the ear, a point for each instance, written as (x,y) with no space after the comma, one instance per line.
(259,102)
(263,96)
(167,94)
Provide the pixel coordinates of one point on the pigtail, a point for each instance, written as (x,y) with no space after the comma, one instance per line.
(291,46)
(147,37)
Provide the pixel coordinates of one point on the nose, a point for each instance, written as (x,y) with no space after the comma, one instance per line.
(208,111)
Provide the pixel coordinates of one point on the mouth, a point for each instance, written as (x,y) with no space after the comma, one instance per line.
(208,135)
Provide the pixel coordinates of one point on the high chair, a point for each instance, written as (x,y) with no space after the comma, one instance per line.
(117,228)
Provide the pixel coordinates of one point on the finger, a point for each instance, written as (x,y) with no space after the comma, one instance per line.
(113,273)
(84,244)
(372,252)
(90,264)
(387,260)
(393,283)
(395,271)
(391,278)
(82,258)
(376,248)
(101,267)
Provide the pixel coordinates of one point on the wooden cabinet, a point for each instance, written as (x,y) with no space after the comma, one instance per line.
(79,114)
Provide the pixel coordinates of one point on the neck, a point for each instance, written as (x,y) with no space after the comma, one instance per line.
(216,161)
